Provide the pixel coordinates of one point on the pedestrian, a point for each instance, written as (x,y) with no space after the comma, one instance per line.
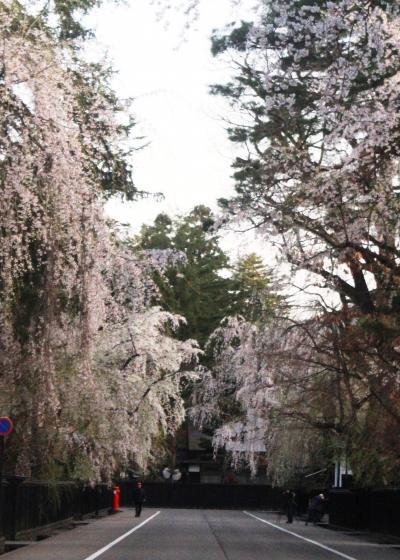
(139,497)
(289,504)
(316,507)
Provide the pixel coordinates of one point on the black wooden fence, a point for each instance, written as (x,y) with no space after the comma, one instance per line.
(376,510)
(29,505)
(215,496)
(32,505)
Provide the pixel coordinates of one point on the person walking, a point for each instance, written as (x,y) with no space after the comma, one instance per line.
(289,504)
(139,497)
(316,509)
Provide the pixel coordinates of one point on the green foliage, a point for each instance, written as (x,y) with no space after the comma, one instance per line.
(159,235)
(64,17)
(68,12)
(374,450)
(252,294)
(237,38)
(205,287)
(109,160)
(195,288)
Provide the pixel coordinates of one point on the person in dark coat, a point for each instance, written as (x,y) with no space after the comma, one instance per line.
(289,504)
(316,508)
(139,497)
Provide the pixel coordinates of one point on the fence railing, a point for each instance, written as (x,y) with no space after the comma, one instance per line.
(29,505)
(376,510)
(213,496)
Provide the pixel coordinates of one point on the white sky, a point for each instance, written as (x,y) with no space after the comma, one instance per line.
(189,155)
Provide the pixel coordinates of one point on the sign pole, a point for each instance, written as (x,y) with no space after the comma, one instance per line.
(6,427)
(2,444)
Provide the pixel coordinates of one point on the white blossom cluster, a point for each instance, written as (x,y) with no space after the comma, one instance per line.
(90,372)
(318,113)
(319,86)
(238,393)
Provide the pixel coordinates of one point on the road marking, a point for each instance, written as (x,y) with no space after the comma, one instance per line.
(316,543)
(121,538)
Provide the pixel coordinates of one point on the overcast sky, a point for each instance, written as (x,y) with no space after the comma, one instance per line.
(189,156)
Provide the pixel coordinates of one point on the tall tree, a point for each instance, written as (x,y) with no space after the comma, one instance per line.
(62,17)
(316,91)
(69,292)
(197,288)
(253,295)
(318,84)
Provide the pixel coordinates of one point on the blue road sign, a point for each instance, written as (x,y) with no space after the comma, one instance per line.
(6,426)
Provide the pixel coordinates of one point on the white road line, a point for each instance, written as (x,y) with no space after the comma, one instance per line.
(316,543)
(121,538)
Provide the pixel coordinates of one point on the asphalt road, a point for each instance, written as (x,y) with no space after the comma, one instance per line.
(203,535)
